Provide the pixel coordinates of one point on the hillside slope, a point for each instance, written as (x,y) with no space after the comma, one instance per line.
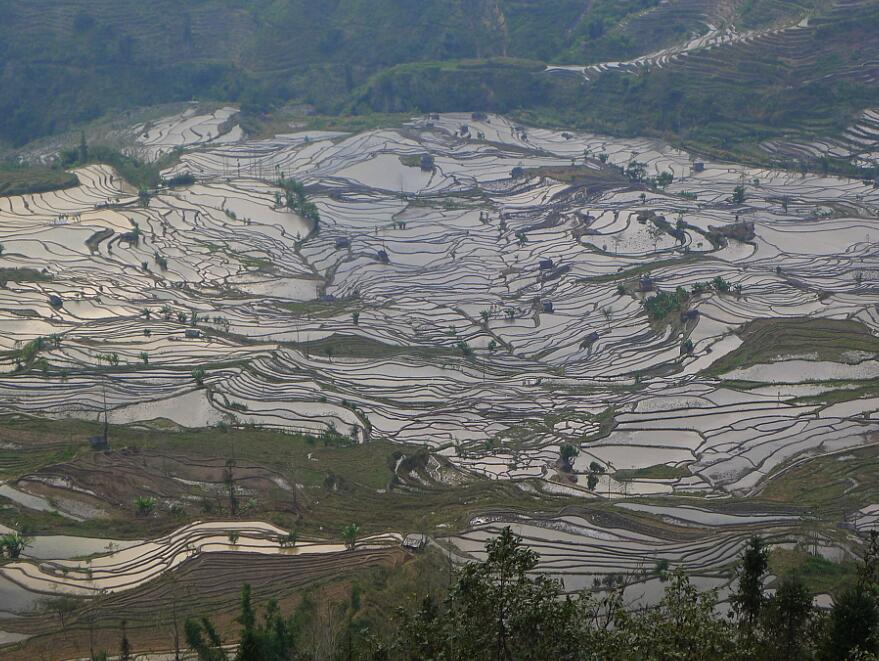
(733,93)
(727,74)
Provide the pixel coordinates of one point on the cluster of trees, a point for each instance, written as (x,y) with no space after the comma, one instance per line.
(143,175)
(26,356)
(636,172)
(501,609)
(297,200)
(665,303)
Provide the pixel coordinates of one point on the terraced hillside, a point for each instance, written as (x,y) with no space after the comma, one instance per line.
(635,357)
(109,55)
(733,92)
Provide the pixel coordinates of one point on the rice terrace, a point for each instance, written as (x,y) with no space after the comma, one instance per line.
(331,345)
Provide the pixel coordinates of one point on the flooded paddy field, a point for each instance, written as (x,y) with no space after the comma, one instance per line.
(487,291)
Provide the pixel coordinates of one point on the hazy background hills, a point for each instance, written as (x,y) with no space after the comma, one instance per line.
(69,61)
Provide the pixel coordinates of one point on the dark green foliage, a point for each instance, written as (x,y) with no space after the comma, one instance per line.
(786,619)
(271,638)
(495,610)
(13,544)
(854,620)
(684,626)
(203,639)
(853,624)
(748,598)
(297,200)
(665,303)
(636,171)
(145,505)
(26,356)
(720,284)
(142,175)
(397,55)
(16,180)
(664,179)
(124,646)
(502,609)
(180,180)
(567,454)
(139,53)
(83,153)
(350,534)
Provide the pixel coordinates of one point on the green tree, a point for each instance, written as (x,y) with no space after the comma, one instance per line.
(271,638)
(203,639)
(349,534)
(738,196)
(683,626)
(13,544)
(229,481)
(854,619)
(288,541)
(664,179)
(499,610)
(786,620)
(83,152)
(748,599)
(636,171)
(144,505)
(124,645)
(567,454)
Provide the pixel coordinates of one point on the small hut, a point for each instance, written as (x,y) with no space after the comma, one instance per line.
(55,301)
(646,284)
(698,166)
(415,542)
(343,243)
(546,264)
(193,334)
(382,256)
(548,307)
